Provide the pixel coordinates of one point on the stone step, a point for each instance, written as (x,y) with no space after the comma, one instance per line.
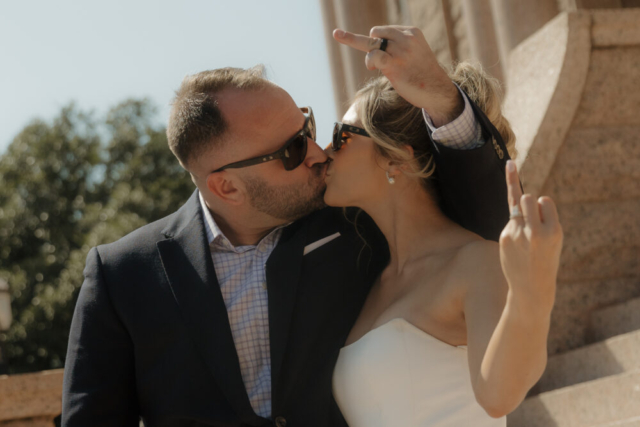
(606,400)
(615,320)
(610,357)
(575,301)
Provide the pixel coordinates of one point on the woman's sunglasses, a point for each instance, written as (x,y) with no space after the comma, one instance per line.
(292,153)
(340,134)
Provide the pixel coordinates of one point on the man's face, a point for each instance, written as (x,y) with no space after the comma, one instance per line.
(261,122)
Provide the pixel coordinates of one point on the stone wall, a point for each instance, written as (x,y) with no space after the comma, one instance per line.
(30,400)
(596,182)
(573,107)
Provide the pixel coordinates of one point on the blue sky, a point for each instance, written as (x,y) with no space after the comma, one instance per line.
(100,53)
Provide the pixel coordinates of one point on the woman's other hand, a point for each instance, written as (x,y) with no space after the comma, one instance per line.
(411,67)
(530,246)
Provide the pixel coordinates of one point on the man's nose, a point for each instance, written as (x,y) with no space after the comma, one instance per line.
(315,154)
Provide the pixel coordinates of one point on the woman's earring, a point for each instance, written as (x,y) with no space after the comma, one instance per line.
(390,178)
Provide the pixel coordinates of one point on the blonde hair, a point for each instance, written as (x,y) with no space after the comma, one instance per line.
(394,123)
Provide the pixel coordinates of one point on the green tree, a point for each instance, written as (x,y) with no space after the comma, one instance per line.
(65,187)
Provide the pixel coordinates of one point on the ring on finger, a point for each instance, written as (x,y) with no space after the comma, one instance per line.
(383,44)
(515,212)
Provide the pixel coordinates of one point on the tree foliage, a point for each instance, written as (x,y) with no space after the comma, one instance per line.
(65,187)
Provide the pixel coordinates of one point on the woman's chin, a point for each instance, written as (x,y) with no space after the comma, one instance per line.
(331,200)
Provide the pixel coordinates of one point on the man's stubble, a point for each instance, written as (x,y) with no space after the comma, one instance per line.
(290,202)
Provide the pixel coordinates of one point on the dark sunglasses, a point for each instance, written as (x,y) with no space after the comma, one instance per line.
(292,153)
(339,134)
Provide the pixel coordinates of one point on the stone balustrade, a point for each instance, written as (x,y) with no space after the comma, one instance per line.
(30,400)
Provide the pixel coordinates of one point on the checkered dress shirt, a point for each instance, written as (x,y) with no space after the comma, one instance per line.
(242,277)
(464,133)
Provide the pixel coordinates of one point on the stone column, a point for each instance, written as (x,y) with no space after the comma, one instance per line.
(572,5)
(357,16)
(335,56)
(515,20)
(481,35)
(599,4)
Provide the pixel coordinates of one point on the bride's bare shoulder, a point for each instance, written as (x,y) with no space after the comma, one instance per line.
(478,260)
(479,249)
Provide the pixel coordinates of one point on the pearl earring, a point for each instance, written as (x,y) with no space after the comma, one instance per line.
(390,178)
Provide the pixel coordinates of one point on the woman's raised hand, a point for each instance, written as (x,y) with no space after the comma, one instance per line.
(530,246)
(411,67)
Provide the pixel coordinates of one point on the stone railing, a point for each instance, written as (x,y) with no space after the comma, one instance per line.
(30,400)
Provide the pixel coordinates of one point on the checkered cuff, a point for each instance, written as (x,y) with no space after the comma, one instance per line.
(464,133)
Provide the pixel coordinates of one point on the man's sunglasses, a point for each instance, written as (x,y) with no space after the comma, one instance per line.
(292,153)
(340,136)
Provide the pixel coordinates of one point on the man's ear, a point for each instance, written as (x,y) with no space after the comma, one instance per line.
(226,187)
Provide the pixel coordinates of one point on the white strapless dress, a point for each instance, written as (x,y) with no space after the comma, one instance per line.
(399,376)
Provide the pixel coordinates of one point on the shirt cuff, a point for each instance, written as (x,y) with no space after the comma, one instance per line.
(463,133)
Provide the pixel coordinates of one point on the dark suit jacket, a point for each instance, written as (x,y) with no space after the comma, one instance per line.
(150,335)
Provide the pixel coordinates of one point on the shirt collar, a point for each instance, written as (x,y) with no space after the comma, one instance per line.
(210,225)
(217,237)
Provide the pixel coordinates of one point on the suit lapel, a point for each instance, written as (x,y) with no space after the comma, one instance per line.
(189,268)
(283,274)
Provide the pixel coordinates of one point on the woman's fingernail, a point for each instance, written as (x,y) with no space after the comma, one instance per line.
(339,33)
(511,167)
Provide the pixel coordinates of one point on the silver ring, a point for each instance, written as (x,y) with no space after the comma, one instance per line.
(515,212)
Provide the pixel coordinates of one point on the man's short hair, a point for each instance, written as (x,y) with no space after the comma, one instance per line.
(196,122)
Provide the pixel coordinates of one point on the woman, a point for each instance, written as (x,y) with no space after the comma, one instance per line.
(454,331)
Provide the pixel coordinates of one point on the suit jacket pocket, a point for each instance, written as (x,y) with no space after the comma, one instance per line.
(329,251)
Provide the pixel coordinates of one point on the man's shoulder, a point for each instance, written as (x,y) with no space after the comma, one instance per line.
(140,241)
(325,215)
(477,263)
(144,239)
(360,239)
(344,220)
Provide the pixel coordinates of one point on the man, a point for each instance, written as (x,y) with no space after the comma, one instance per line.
(231,311)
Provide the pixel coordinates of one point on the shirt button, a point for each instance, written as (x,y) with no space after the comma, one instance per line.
(281,422)
(264,285)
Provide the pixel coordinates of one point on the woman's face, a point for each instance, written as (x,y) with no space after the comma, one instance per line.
(355,176)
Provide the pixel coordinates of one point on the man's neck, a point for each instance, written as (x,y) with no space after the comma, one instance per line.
(238,228)
(238,233)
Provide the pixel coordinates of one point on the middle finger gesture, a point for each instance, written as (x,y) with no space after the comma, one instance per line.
(411,66)
(530,245)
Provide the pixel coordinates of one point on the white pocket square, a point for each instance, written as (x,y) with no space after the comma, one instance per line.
(315,245)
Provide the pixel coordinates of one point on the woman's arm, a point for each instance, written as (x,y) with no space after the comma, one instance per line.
(508,309)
